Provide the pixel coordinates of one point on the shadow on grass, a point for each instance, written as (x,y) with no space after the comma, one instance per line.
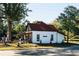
(41,52)
(75,40)
(64,50)
(59,44)
(47,52)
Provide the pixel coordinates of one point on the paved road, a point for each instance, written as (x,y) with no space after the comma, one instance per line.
(66,51)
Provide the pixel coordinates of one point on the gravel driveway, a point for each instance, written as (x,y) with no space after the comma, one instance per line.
(59,51)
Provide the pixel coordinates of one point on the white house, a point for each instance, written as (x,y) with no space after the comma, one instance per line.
(42,33)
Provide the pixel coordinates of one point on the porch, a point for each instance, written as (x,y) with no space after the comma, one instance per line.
(28,36)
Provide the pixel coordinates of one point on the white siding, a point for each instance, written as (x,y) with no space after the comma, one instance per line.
(60,38)
(57,37)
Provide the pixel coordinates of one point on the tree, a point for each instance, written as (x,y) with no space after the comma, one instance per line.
(1,27)
(13,12)
(19,28)
(68,19)
(57,24)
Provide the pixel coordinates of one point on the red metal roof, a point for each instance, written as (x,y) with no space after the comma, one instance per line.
(40,26)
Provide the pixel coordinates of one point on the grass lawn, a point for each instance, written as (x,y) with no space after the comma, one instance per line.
(13,46)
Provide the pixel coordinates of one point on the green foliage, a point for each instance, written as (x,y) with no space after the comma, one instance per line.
(19,28)
(2,28)
(13,12)
(68,18)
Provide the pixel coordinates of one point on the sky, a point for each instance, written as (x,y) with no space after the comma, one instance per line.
(47,12)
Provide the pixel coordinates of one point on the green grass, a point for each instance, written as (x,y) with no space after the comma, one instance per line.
(13,46)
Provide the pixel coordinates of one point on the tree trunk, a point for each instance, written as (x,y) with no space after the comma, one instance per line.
(68,36)
(9,30)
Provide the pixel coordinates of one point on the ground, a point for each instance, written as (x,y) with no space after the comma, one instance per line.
(63,51)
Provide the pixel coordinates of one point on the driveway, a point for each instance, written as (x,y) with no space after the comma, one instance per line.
(59,51)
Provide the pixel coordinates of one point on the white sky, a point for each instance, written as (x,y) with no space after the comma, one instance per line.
(47,12)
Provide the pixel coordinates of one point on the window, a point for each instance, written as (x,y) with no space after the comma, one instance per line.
(51,37)
(38,37)
(44,36)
